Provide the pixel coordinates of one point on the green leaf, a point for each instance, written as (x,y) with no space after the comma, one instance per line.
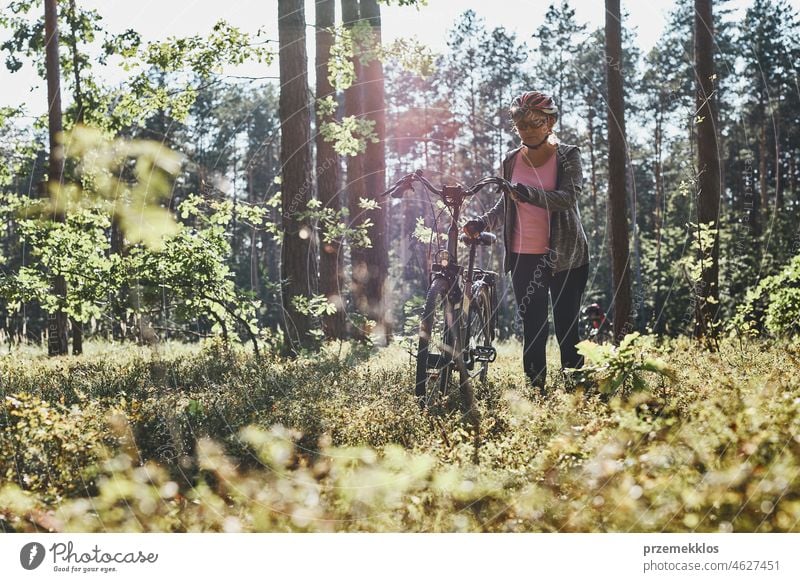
(368,204)
(149,226)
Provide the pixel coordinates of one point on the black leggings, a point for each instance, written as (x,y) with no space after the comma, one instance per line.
(533,279)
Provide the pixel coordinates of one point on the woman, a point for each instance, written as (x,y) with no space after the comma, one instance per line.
(545,244)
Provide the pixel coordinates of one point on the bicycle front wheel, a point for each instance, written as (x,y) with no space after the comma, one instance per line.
(435,349)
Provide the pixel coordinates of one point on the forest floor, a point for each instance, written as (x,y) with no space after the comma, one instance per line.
(205,438)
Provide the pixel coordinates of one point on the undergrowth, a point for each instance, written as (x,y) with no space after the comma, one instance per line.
(213,439)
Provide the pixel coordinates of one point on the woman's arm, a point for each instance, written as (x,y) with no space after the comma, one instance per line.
(496,216)
(563,199)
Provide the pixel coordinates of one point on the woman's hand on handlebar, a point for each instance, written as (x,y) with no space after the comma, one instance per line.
(519,193)
(473,228)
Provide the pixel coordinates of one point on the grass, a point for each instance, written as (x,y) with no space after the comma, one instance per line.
(202,438)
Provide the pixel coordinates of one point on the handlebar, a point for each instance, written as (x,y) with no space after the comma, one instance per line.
(398,188)
(501,184)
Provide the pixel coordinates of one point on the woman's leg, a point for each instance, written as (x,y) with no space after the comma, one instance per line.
(530,277)
(566,291)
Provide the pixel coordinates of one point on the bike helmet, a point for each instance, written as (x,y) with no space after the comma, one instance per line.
(593,310)
(533,101)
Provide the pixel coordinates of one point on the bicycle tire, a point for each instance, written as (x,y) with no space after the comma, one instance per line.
(434,369)
(479,330)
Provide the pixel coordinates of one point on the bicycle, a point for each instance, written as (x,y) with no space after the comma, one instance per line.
(596,325)
(465,343)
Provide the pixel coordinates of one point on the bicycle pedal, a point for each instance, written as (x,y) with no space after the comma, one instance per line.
(485,354)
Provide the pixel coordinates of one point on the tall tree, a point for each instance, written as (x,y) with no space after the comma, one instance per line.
(590,104)
(617,155)
(708,167)
(331,258)
(557,39)
(658,98)
(464,75)
(375,181)
(78,93)
(502,58)
(57,322)
(355,185)
(770,51)
(298,251)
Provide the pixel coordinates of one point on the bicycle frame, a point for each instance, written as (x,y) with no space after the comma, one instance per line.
(458,299)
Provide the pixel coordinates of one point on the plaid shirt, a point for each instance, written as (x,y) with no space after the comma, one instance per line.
(569,248)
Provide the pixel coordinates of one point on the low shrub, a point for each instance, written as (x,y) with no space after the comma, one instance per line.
(715,449)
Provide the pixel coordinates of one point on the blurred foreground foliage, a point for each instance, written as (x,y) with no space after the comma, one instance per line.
(214,439)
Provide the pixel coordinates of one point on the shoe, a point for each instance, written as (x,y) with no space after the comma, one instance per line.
(537,387)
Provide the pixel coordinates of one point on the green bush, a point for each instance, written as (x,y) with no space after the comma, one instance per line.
(773,306)
(52,449)
(619,368)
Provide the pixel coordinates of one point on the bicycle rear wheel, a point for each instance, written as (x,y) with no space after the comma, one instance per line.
(479,343)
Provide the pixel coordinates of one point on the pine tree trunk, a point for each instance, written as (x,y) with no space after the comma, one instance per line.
(375,183)
(762,167)
(298,252)
(777,126)
(255,287)
(473,121)
(77,326)
(331,258)
(76,70)
(593,174)
(355,187)
(270,251)
(708,168)
(57,322)
(617,198)
(659,217)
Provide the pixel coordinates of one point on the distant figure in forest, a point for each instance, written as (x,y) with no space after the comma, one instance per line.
(546,249)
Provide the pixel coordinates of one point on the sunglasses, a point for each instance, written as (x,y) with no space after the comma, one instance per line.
(530,123)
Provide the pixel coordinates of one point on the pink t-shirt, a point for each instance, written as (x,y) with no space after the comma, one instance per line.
(531,233)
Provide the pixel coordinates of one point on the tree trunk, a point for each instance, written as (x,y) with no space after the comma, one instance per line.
(270,250)
(119,325)
(762,167)
(708,168)
(255,288)
(355,186)
(375,183)
(234,209)
(777,135)
(752,204)
(637,303)
(331,259)
(77,326)
(298,252)
(593,174)
(57,322)
(76,72)
(617,198)
(659,217)
(473,121)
